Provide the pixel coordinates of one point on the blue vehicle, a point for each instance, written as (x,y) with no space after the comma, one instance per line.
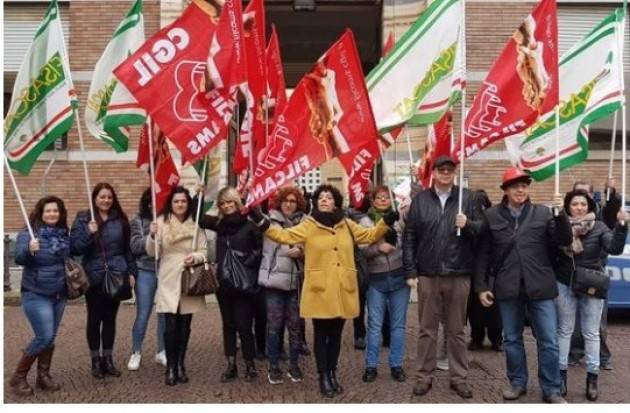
(619,273)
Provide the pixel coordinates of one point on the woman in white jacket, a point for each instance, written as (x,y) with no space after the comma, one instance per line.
(174,233)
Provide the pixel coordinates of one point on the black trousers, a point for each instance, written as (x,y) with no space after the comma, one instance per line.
(237,315)
(359,322)
(327,342)
(176,337)
(482,318)
(101,321)
(260,322)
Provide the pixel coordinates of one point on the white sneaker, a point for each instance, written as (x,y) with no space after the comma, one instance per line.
(442,364)
(160,358)
(134,362)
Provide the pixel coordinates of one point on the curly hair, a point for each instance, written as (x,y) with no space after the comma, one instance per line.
(283,193)
(35,218)
(333,191)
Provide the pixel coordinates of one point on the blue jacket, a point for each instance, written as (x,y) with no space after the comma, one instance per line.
(111,239)
(44,272)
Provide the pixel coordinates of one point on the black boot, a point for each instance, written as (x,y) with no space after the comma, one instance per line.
(591,386)
(96,367)
(333,381)
(181,354)
(250,370)
(325,386)
(231,372)
(170,346)
(563,383)
(107,364)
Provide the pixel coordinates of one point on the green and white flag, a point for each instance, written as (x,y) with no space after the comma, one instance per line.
(590,90)
(212,180)
(422,76)
(111,108)
(41,108)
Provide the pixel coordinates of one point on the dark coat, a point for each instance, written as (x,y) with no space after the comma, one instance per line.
(44,272)
(109,238)
(598,240)
(528,267)
(431,246)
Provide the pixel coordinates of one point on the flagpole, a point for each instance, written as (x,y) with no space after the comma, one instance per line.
(463,119)
(613,138)
(85,168)
(408,145)
(152,172)
(389,187)
(557,177)
(19,197)
(199,203)
(624,138)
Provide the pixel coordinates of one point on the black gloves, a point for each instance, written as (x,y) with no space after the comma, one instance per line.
(391,237)
(391,217)
(259,218)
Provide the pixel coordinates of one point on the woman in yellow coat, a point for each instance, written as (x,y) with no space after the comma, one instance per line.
(330,293)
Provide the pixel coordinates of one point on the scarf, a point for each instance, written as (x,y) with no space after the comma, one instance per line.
(580,227)
(57,238)
(328,219)
(230,224)
(176,231)
(391,237)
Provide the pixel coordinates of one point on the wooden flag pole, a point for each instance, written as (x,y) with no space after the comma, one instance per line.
(152,173)
(463,119)
(19,197)
(389,187)
(557,177)
(624,129)
(199,203)
(613,138)
(85,168)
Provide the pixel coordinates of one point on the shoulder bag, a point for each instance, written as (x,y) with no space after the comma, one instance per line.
(199,279)
(589,282)
(77,282)
(115,283)
(236,275)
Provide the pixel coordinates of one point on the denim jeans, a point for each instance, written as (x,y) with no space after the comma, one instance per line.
(544,321)
(396,302)
(44,314)
(590,309)
(282,308)
(146,284)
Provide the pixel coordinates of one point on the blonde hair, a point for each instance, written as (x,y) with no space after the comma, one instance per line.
(229,194)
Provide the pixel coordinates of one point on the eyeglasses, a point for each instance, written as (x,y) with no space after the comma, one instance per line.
(382,197)
(289,201)
(446,170)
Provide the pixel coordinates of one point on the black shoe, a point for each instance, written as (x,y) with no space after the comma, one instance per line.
(107,365)
(275,375)
(359,343)
(250,371)
(398,374)
(606,365)
(230,373)
(96,367)
(475,346)
(591,387)
(170,377)
(498,347)
(462,390)
(325,386)
(563,383)
(333,380)
(554,398)
(295,374)
(370,374)
(181,373)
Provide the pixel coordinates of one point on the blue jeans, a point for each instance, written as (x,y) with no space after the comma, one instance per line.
(590,309)
(544,321)
(44,314)
(146,285)
(396,302)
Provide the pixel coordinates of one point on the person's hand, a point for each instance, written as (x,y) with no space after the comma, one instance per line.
(486,298)
(295,252)
(557,202)
(132,281)
(153,228)
(460,220)
(256,214)
(610,183)
(391,217)
(199,188)
(33,245)
(189,260)
(622,217)
(386,248)
(412,282)
(92,227)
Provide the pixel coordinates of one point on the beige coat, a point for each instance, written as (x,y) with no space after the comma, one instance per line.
(175,243)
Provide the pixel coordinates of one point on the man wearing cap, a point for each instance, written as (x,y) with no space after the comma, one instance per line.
(439,261)
(514,267)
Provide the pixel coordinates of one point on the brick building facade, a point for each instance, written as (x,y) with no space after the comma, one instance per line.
(91,23)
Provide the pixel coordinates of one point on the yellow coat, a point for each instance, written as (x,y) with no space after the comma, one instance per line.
(330,287)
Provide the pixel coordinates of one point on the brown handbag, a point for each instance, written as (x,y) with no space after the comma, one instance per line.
(199,279)
(77,282)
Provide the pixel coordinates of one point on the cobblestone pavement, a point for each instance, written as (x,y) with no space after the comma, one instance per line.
(205,362)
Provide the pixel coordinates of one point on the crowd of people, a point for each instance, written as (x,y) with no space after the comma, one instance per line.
(306,257)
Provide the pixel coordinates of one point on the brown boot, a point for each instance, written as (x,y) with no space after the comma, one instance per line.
(18,382)
(44,381)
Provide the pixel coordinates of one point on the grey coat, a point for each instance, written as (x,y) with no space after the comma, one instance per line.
(378,262)
(278,271)
(139,230)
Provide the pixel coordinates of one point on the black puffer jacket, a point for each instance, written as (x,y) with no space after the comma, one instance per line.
(597,240)
(431,246)
(529,263)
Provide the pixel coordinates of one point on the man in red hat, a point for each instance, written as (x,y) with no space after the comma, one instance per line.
(514,267)
(440,263)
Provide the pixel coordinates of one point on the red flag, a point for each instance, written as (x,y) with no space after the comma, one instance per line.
(328,114)
(166,175)
(438,143)
(167,76)
(276,87)
(522,84)
(389,44)
(252,137)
